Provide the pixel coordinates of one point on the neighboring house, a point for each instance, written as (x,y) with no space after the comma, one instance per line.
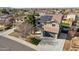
(77,24)
(71,16)
(65,26)
(77,19)
(6,20)
(67,22)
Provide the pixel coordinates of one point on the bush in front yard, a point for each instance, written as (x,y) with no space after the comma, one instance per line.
(35,41)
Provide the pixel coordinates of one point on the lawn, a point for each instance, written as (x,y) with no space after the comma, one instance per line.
(15,34)
(2,27)
(30,39)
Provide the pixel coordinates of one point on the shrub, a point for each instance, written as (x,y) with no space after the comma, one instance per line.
(35,41)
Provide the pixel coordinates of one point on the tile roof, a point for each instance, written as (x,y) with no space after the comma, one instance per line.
(50,28)
(57,17)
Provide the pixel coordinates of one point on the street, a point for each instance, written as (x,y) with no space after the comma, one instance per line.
(10,45)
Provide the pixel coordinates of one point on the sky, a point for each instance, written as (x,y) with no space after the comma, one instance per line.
(39,3)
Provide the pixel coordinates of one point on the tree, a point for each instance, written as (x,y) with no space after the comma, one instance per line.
(4,11)
(35,14)
(31,19)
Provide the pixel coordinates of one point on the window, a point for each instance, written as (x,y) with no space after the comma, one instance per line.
(48,34)
(78,30)
(53,24)
(38,22)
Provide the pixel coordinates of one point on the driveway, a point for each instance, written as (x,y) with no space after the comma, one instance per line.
(50,44)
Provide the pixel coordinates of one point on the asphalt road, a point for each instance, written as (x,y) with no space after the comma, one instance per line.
(10,45)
